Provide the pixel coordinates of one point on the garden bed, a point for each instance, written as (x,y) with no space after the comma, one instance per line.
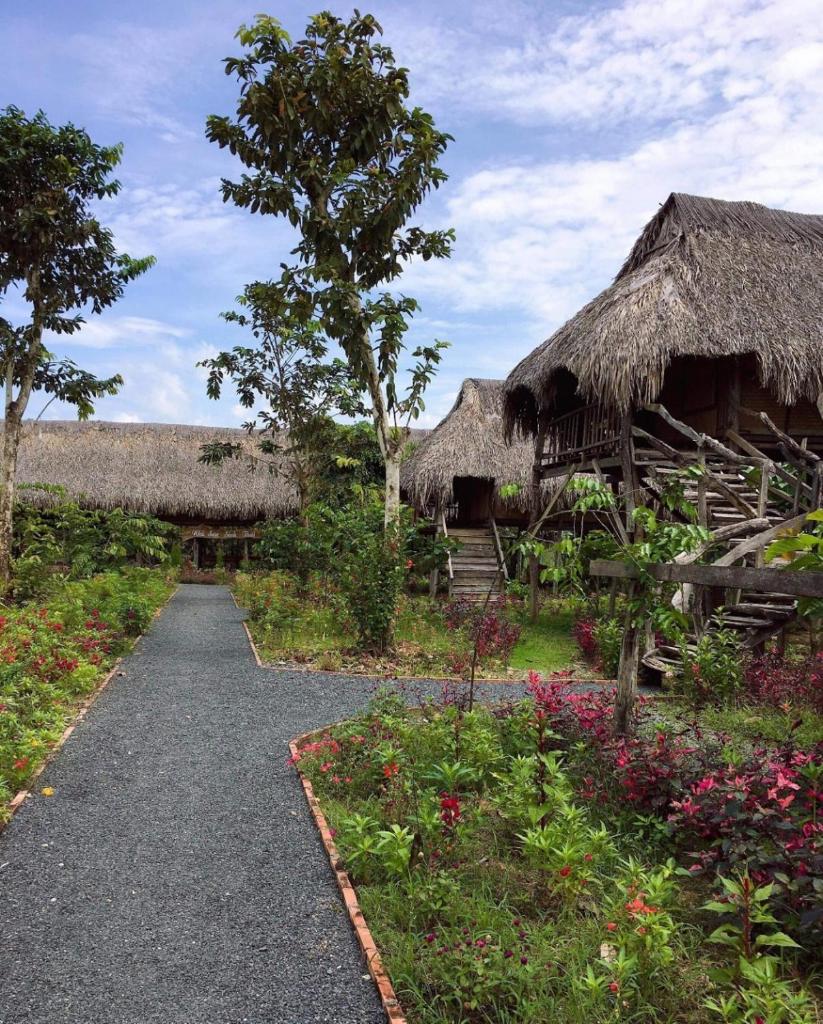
(55,652)
(310,628)
(517,864)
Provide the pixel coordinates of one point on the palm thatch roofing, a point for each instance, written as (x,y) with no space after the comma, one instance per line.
(468,442)
(150,468)
(705,278)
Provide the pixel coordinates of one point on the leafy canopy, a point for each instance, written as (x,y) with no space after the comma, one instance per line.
(53,249)
(329,143)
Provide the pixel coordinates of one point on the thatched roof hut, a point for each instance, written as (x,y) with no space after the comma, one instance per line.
(468,443)
(150,468)
(706,278)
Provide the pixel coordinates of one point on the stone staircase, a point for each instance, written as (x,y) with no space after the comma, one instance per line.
(475,567)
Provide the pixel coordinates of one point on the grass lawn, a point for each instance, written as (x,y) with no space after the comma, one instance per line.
(547,645)
(312,629)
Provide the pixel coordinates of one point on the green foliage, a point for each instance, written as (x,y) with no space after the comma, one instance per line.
(369,567)
(68,540)
(500,894)
(608,635)
(712,667)
(750,931)
(328,143)
(805,552)
(289,371)
(54,653)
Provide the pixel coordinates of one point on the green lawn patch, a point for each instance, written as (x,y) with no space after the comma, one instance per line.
(310,626)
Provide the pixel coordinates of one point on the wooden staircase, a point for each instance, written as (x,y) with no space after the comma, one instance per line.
(724,499)
(475,568)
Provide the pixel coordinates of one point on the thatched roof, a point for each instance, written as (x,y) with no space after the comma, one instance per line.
(151,468)
(468,442)
(705,278)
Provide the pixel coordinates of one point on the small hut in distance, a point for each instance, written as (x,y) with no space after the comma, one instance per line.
(455,476)
(154,469)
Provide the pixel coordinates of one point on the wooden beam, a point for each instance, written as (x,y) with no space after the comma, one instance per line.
(777,470)
(779,581)
(682,460)
(761,539)
(789,442)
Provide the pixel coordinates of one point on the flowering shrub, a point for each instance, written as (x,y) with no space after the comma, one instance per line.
(764,817)
(599,641)
(774,680)
(498,857)
(53,653)
(487,627)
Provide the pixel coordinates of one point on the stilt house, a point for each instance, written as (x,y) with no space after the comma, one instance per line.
(706,351)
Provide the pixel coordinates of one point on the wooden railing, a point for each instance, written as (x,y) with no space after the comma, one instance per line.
(445,531)
(581,434)
(498,547)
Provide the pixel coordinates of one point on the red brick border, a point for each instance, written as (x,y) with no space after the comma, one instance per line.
(22,795)
(368,947)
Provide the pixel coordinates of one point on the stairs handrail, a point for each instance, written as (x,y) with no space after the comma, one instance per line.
(760,540)
(699,439)
(443,527)
(501,561)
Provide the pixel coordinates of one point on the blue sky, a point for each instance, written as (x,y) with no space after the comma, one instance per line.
(572,122)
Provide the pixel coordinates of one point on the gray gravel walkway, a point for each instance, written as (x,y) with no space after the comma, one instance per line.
(176,876)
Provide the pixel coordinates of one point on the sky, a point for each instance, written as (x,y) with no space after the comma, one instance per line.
(572,123)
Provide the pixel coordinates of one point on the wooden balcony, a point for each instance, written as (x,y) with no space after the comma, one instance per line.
(585,433)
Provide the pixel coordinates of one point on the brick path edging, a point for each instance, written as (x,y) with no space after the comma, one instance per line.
(368,947)
(22,795)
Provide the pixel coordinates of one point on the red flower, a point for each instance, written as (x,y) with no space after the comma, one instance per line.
(614,986)
(565,871)
(449,810)
(611,927)
(390,769)
(20,763)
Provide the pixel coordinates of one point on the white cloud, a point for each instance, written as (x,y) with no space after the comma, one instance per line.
(646,60)
(539,238)
(120,331)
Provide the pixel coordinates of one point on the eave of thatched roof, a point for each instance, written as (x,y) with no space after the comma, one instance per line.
(468,442)
(150,468)
(705,278)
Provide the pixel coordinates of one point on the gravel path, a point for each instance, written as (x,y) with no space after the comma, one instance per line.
(176,875)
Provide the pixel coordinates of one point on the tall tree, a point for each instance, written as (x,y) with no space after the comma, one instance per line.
(64,264)
(289,372)
(330,144)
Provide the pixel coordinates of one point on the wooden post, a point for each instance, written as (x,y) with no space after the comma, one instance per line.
(630,647)
(627,672)
(196,552)
(434,575)
(534,503)
(702,504)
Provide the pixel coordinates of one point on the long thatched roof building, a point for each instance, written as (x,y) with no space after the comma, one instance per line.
(707,279)
(151,468)
(468,445)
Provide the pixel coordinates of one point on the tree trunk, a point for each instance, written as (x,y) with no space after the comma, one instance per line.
(534,588)
(8,472)
(392,459)
(24,367)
